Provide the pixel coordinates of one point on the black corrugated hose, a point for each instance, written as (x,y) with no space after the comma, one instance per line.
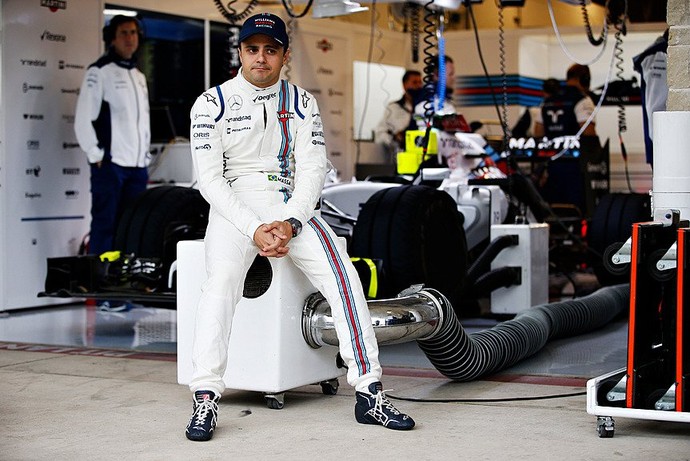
(464,357)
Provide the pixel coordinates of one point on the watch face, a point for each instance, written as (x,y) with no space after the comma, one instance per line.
(296,226)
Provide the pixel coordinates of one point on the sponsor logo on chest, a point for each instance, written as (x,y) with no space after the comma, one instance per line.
(264,97)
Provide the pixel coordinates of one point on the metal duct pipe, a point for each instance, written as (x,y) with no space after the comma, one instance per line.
(428,317)
(418,315)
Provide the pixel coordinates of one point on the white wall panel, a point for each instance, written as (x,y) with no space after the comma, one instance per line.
(44,187)
(322,64)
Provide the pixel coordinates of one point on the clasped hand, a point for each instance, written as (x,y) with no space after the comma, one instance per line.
(272,238)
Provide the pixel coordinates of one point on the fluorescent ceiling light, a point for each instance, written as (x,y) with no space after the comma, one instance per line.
(114,12)
(331,8)
(437,5)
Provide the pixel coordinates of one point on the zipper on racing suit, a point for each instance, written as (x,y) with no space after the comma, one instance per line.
(136,99)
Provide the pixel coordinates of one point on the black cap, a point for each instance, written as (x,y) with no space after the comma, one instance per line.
(266,24)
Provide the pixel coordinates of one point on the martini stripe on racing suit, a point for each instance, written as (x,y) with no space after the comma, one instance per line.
(284,120)
(346,296)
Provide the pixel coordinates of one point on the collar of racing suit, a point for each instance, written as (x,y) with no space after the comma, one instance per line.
(112,56)
(258,95)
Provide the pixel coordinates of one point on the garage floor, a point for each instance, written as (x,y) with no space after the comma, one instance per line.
(83,384)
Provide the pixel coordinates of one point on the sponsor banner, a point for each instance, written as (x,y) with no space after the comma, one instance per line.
(332,87)
(44,184)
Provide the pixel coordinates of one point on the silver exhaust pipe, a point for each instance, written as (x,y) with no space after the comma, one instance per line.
(426,315)
(415,314)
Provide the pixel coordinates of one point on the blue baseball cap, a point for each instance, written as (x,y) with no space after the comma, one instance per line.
(266,24)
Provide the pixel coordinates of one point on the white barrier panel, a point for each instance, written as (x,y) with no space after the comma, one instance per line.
(671,181)
(44,176)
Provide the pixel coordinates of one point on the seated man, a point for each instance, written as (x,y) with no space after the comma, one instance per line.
(261,165)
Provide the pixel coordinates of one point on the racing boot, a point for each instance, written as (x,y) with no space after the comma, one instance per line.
(375,408)
(203,421)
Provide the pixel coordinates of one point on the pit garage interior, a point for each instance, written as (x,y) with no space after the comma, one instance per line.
(524,329)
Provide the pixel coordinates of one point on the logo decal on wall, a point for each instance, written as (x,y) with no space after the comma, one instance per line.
(33,62)
(35,171)
(324,45)
(51,37)
(26,87)
(66,65)
(54,5)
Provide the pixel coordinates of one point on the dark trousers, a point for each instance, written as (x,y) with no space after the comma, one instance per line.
(565,183)
(113,188)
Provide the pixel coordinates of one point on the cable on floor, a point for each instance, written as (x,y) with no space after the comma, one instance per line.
(492,400)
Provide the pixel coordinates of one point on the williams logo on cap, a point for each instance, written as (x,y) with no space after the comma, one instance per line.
(266,24)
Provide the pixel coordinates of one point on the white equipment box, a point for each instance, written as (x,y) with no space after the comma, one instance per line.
(531,255)
(267,352)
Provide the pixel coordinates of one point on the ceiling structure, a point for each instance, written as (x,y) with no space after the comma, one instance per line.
(533,14)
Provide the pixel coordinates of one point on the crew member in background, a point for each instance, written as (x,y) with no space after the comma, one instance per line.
(259,152)
(397,118)
(651,64)
(564,114)
(525,126)
(113,128)
(431,92)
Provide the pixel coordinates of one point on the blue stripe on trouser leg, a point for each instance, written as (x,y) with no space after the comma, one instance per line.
(346,296)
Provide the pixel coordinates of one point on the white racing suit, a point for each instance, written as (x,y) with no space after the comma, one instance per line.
(260,156)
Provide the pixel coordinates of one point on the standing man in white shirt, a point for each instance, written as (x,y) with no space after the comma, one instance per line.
(112,126)
(398,116)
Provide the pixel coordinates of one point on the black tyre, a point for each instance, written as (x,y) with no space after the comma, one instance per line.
(158,219)
(659,275)
(612,222)
(417,232)
(604,432)
(607,260)
(138,210)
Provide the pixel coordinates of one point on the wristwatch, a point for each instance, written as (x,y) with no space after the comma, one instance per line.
(296,226)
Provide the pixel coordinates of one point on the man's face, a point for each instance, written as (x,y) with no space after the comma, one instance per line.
(262,58)
(126,40)
(413,82)
(450,74)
